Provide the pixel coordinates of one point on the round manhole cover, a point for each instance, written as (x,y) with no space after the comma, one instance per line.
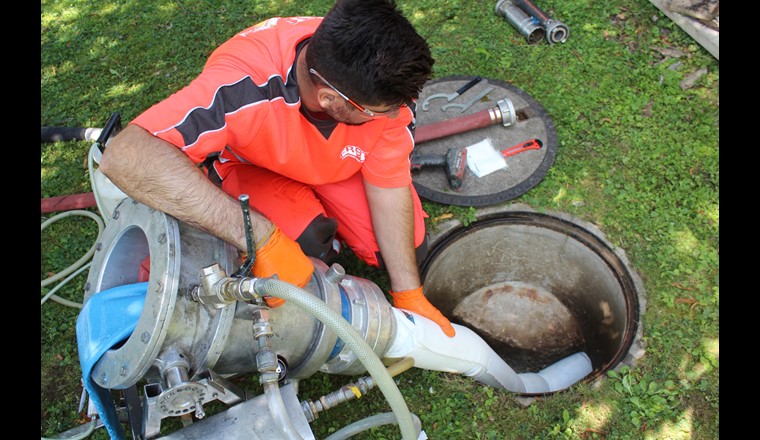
(523,171)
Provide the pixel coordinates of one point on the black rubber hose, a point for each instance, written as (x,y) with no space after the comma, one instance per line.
(101,135)
(56,134)
(556,31)
(534,11)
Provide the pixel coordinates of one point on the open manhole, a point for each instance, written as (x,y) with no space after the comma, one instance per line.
(537,287)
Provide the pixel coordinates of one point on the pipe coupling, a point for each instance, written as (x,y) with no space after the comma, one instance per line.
(218,290)
(504,112)
(350,391)
(266,362)
(527,26)
(556,31)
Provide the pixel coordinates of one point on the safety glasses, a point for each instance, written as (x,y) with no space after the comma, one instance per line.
(367,113)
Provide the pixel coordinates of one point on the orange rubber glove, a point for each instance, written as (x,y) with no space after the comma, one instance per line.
(282,256)
(414,301)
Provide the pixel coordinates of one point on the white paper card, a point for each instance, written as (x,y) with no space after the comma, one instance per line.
(483,159)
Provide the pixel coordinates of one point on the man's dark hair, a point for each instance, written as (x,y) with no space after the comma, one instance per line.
(370,51)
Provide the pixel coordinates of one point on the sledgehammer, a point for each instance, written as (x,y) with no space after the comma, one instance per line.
(503,113)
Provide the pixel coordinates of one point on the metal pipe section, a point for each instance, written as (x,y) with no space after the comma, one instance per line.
(556,31)
(194,308)
(248,420)
(525,25)
(196,328)
(350,391)
(195,313)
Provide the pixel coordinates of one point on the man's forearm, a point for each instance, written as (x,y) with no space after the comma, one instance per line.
(393,221)
(159,175)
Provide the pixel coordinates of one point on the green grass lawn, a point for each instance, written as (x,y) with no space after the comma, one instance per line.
(638,157)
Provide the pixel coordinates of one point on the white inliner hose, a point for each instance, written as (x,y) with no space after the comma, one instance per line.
(107,194)
(468,354)
(317,308)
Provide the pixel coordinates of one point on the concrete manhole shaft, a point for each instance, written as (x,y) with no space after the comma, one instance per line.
(537,287)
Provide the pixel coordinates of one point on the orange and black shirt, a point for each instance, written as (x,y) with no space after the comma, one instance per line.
(245,105)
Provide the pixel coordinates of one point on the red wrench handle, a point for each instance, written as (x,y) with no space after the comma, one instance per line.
(533,144)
